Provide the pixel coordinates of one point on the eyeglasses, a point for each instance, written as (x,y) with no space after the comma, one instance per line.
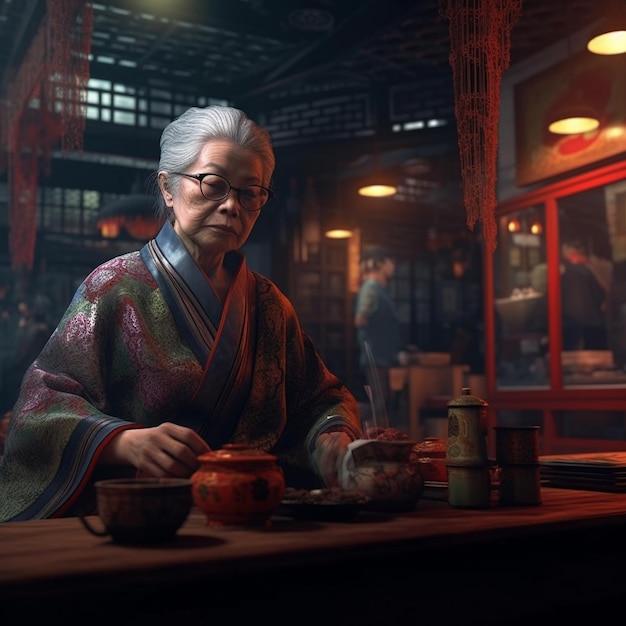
(215,188)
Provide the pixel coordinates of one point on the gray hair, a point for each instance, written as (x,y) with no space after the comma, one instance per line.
(184,138)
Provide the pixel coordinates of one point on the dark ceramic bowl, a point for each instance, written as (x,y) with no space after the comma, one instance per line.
(142,510)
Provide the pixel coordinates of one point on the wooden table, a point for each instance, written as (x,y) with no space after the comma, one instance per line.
(561,560)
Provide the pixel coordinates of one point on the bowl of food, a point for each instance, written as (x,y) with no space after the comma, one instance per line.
(382,470)
(141,510)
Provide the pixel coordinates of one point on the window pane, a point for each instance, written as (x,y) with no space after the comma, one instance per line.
(521,300)
(592,279)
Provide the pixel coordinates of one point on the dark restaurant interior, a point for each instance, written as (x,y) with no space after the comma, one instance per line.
(349,92)
(483,220)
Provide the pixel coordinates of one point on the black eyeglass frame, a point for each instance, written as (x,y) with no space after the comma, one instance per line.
(201,177)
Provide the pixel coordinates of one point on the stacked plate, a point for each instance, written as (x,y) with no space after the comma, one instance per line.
(594,471)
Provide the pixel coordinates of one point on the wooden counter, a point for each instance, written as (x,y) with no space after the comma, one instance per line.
(504,565)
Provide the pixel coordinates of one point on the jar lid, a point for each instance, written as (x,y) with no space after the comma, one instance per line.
(467,399)
(236,453)
(431,447)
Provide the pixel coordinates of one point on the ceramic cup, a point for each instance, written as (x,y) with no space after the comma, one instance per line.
(517,445)
(141,510)
(520,485)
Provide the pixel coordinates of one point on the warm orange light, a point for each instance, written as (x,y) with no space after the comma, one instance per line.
(110,228)
(574,125)
(338,233)
(514,225)
(536,228)
(609,37)
(377,191)
(608,43)
(143,227)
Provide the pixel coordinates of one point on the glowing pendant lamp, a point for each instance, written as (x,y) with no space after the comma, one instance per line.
(573,116)
(337,226)
(338,233)
(377,190)
(609,37)
(379,183)
(573,122)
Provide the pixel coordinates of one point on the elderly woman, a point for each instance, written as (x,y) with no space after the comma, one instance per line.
(175,349)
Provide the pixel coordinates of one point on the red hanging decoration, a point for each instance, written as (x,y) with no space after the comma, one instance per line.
(480,52)
(70,25)
(45,107)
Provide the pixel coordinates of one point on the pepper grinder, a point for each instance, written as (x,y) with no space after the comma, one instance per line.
(466,453)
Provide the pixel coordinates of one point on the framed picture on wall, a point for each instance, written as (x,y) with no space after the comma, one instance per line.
(599,81)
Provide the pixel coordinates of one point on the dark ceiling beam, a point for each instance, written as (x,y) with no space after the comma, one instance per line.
(361,25)
(224,15)
(30,17)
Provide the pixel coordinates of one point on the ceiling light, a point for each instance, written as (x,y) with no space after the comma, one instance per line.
(609,37)
(574,116)
(311,19)
(377,190)
(337,227)
(338,233)
(379,181)
(573,124)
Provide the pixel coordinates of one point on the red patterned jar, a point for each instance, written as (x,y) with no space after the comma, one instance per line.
(237,485)
(430,457)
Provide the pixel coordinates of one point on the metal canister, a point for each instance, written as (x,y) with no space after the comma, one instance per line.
(466,454)
(467,430)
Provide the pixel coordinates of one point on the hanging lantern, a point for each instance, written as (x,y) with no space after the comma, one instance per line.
(337,227)
(134,213)
(609,36)
(380,182)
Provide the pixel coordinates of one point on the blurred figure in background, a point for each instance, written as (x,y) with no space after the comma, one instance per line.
(34,330)
(376,320)
(583,300)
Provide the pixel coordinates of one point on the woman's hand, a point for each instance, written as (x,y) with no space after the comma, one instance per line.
(167,450)
(328,455)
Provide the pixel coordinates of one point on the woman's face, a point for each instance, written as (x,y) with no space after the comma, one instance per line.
(207,227)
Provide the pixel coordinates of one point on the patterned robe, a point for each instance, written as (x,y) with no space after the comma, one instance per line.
(146,340)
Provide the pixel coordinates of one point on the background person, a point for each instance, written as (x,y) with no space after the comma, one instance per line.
(376,320)
(583,301)
(33,331)
(169,351)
